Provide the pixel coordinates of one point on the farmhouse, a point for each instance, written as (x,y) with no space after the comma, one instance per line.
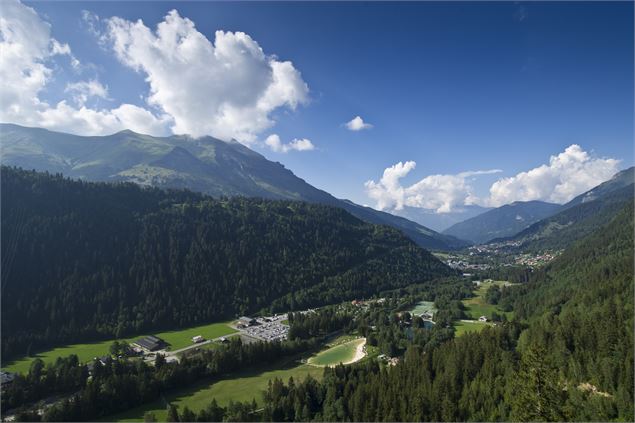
(150,343)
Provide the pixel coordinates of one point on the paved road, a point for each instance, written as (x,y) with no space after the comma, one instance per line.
(173,355)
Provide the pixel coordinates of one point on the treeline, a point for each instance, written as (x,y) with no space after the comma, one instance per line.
(319,323)
(119,385)
(565,228)
(86,261)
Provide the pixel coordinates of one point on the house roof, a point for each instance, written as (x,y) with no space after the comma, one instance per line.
(149,342)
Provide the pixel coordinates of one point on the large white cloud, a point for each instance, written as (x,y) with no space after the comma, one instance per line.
(568,174)
(273,142)
(227,89)
(442,193)
(27,48)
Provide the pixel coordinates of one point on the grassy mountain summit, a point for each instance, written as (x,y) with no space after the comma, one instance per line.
(205,164)
(86,260)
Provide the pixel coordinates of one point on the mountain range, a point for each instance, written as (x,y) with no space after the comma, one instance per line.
(502,221)
(580,216)
(205,164)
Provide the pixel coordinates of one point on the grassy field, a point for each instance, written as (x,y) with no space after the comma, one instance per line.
(86,352)
(342,353)
(463,327)
(477,306)
(244,386)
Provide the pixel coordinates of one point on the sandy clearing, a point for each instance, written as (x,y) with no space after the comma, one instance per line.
(359,352)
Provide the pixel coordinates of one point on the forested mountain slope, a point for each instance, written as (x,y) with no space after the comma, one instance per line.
(86,260)
(205,164)
(620,180)
(564,228)
(503,221)
(567,356)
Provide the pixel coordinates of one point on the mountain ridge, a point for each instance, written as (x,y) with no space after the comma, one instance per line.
(215,167)
(577,218)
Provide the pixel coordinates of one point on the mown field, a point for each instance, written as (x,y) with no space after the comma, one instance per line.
(243,386)
(86,352)
(249,384)
(477,306)
(463,327)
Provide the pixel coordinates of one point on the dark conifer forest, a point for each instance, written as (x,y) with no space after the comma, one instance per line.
(566,356)
(88,261)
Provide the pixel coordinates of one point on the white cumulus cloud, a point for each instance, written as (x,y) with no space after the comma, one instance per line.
(567,175)
(357,124)
(274,143)
(442,193)
(27,49)
(227,88)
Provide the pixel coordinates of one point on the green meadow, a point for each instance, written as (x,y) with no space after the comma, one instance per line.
(243,386)
(463,327)
(246,385)
(477,306)
(86,352)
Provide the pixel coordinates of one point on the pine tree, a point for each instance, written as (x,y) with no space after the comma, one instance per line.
(537,394)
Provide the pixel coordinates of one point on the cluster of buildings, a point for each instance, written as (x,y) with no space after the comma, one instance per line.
(536,260)
(456,263)
(266,329)
(366,303)
(391,361)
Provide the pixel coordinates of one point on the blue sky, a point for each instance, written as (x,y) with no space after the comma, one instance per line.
(454,87)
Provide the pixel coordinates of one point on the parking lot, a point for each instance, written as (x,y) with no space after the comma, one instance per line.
(268,328)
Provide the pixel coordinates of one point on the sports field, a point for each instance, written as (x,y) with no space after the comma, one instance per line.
(346,353)
(86,352)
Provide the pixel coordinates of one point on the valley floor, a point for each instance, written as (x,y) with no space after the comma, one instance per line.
(177,339)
